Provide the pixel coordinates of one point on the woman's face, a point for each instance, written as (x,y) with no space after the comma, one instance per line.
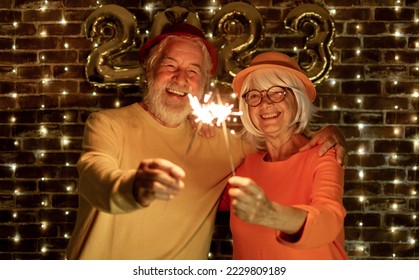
(274,119)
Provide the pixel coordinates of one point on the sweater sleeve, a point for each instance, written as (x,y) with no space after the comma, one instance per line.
(325,211)
(101,182)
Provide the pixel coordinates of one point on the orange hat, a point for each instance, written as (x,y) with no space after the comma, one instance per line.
(278,61)
(180,29)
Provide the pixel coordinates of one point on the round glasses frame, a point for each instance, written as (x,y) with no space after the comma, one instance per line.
(275,94)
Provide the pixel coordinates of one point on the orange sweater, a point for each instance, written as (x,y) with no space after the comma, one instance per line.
(306,181)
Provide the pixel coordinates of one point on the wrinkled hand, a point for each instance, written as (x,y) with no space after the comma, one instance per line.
(249,201)
(157,179)
(330,136)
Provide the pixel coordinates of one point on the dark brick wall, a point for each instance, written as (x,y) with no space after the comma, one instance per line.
(371,94)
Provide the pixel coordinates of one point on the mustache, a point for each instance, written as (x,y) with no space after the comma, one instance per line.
(178,87)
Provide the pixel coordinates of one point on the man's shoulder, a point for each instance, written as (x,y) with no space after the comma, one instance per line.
(117,113)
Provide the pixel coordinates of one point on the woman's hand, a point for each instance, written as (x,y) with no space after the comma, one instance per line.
(251,205)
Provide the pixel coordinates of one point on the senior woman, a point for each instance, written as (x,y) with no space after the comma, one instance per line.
(285,203)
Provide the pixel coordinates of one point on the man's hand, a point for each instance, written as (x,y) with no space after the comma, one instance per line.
(330,136)
(157,179)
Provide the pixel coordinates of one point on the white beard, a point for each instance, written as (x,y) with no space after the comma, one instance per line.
(170,112)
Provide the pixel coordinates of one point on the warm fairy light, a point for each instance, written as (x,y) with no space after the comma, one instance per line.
(361,151)
(396,57)
(43,130)
(396,131)
(16,238)
(14,47)
(44,225)
(44,249)
(395,83)
(117,104)
(295,49)
(335,107)
(398,33)
(394,206)
(64,92)
(43,33)
(63,21)
(15,24)
(14,215)
(65,141)
(94,93)
(333,12)
(13,166)
(358,76)
(361,174)
(69,188)
(361,224)
(415,148)
(66,45)
(361,126)
(415,94)
(149,7)
(12,119)
(360,248)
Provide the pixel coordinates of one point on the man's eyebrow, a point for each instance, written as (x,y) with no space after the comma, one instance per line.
(174,60)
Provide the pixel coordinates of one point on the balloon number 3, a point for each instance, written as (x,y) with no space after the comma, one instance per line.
(237,28)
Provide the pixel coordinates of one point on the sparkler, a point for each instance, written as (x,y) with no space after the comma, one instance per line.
(208,113)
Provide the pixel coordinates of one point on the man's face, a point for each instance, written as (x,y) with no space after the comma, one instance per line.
(177,73)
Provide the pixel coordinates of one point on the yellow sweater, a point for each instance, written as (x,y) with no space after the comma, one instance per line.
(111,225)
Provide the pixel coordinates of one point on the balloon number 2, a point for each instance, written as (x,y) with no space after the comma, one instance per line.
(237,31)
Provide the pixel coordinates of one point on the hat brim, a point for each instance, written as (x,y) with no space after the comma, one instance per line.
(241,76)
(150,43)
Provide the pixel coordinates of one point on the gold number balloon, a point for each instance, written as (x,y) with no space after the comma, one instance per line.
(237,30)
(113,29)
(317,24)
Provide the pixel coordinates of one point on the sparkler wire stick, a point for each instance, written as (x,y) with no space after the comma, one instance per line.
(227,139)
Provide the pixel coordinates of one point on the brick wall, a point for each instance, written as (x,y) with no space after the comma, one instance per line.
(371,94)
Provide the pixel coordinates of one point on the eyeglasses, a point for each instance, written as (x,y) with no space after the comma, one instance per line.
(254,97)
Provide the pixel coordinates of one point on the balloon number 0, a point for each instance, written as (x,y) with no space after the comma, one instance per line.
(237,29)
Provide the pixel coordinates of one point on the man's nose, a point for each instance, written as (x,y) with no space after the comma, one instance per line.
(180,76)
